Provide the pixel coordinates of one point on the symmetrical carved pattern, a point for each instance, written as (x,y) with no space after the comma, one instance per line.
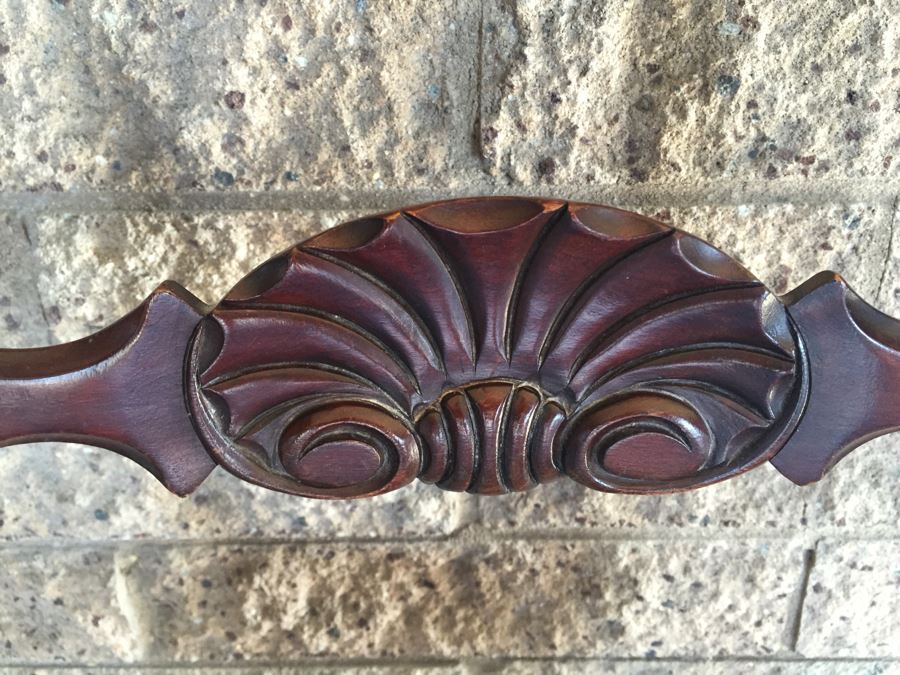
(491,345)
(486,345)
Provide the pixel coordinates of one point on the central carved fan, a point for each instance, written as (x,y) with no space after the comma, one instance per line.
(492,346)
(485,345)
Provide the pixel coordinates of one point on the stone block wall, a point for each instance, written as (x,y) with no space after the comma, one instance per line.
(190,140)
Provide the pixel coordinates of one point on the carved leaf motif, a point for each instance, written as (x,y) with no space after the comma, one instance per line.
(489,345)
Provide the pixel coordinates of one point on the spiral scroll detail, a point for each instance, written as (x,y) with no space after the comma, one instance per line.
(491,345)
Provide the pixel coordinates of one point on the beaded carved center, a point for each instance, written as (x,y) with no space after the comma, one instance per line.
(492,345)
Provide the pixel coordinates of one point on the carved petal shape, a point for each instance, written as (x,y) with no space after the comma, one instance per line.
(490,345)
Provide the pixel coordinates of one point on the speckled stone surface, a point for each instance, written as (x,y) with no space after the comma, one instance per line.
(236,95)
(148,140)
(45,498)
(315,667)
(22,323)
(852,603)
(226,97)
(226,603)
(661,667)
(535,666)
(643,91)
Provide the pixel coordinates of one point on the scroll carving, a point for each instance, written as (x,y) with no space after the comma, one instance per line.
(485,345)
(492,346)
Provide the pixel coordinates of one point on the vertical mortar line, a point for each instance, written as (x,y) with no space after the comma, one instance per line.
(469,518)
(795,607)
(892,232)
(477,143)
(129,601)
(32,252)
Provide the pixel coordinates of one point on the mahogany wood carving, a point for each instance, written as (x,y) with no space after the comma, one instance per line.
(486,345)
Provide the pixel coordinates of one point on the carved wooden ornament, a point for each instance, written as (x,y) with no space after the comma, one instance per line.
(485,345)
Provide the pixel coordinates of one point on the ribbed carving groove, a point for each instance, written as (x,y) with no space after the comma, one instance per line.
(489,345)
(485,437)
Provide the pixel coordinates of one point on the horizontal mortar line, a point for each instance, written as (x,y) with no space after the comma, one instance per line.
(473,536)
(694,535)
(680,194)
(438,662)
(778,658)
(320,662)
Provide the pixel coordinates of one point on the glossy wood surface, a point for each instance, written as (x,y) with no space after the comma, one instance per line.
(484,345)
(120,389)
(853,353)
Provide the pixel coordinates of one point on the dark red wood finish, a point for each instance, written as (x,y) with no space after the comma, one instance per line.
(120,389)
(853,352)
(483,345)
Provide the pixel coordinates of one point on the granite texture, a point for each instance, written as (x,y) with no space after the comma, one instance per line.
(523,667)
(244,602)
(236,95)
(651,90)
(151,140)
(43,498)
(22,320)
(853,604)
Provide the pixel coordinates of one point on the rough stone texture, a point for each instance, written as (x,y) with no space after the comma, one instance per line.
(642,91)
(853,604)
(541,666)
(236,95)
(310,667)
(807,667)
(225,97)
(21,320)
(226,603)
(43,619)
(152,140)
(43,495)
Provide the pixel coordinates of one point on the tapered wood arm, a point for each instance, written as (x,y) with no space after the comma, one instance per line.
(120,389)
(482,345)
(853,351)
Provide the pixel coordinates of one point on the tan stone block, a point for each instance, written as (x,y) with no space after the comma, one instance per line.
(65,492)
(240,96)
(66,605)
(651,91)
(852,606)
(744,667)
(308,667)
(23,319)
(541,599)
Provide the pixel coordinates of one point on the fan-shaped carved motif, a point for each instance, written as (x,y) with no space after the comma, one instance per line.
(492,345)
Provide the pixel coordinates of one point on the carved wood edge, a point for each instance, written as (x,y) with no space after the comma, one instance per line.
(485,345)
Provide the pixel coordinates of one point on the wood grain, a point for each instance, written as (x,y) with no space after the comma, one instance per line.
(121,389)
(484,345)
(517,340)
(854,361)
